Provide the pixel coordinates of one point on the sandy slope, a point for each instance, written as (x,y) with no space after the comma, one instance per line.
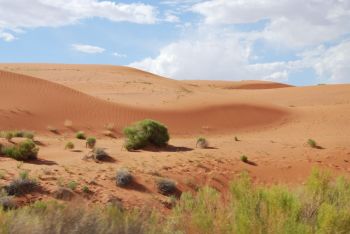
(33,103)
(272,121)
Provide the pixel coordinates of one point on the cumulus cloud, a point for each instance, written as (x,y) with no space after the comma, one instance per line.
(209,57)
(291,22)
(22,14)
(89,49)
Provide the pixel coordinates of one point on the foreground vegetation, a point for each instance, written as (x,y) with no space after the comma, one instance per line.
(321,206)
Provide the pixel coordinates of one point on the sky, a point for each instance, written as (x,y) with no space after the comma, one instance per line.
(299,42)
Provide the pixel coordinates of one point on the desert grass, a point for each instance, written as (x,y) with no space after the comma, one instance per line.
(321,205)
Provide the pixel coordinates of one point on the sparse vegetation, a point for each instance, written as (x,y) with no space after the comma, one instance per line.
(99,154)
(165,186)
(144,133)
(9,136)
(90,142)
(21,186)
(85,189)
(236,138)
(320,206)
(244,158)
(25,150)
(202,143)
(312,143)
(80,135)
(69,146)
(123,177)
(72,185)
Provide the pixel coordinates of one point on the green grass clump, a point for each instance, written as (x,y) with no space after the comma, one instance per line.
(202,143)
(9,136)
(20,134)
(165,186)
(72,185)
(85,189)
(312,143)
(25,150)
(69,145)
(244,158)
(123,177)
(80,135)
(90,142)
(144,133)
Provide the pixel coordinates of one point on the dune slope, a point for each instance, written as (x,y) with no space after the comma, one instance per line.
(32,103)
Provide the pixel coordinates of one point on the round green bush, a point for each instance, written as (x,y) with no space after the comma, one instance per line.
(69,145)
(80,135)
(144,133)
(165,186)
(90,142)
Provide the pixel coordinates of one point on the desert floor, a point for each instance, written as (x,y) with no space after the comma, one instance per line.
(272,122)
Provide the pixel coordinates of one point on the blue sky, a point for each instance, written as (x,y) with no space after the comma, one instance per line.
(292,41)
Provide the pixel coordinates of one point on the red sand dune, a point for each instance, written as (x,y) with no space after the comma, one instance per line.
(32,103)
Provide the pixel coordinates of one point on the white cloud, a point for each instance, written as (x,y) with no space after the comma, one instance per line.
(89,49)
(22,14)
(295,23)
(116,54)
(8,37)
(209,57)
(330,64)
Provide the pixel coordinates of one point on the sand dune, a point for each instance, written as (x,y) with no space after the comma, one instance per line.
(33,103)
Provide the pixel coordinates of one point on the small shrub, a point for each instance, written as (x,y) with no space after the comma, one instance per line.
(69,145)
(20,187)
(144,133)
(244,158)
(202,143)
(123,177)
(9,136)
(165,186)
(72,185)
(312,143)
(29,135)
(91,142)
(25,150)
(24,175)
(99,154)
(80,135)
(7,203)
(85,189)
(236,138)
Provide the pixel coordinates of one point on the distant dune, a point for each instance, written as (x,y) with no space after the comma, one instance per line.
(33,103)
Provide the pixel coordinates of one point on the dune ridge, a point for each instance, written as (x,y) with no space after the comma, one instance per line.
(32,103)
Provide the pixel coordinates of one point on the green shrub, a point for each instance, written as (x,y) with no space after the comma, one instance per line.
(123,177)
(144,133)
(202,143)
(80,135)
(25,150)
(69,145)
(85,189)
(165,186)
(9,136)
(7,203)
(72,185)
(91,142)
(312,143)
(244,158)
